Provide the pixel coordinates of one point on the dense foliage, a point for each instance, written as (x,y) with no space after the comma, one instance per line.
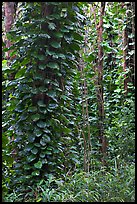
(51,148)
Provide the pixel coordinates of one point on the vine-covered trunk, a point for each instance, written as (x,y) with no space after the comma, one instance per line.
(100,101)
(124,58)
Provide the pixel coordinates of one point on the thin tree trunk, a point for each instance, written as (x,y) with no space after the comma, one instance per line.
(133,40)
(100,100)
(9,8)
(124,58)
(83,115)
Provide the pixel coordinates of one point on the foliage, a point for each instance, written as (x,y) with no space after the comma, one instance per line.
(44,94)
(40,108)
(98,186)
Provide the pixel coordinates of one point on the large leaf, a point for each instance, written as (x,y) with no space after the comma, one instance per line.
(42,142)
(53,65)
(42,66)
(37,132)
(19,109)
(55,44)
(31,138)
(46,138)
(58,34)
(35,117)
(41,124)
(41,57)
(29,147)
(31,157)
(42,155)
(34,150)
(52,94)
(32,109)
(38,165)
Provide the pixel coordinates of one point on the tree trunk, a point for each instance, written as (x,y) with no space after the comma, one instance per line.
(124,58)
(133,40)
(9,8)
(100,100)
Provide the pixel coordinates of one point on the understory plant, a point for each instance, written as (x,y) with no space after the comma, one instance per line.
(97,186)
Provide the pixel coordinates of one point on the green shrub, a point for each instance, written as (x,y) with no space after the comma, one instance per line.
(98,186)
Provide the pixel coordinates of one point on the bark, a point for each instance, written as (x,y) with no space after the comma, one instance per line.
(9,8)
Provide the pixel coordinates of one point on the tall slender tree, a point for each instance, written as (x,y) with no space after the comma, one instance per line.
(100,99)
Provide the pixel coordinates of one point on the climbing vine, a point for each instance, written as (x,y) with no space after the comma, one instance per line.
(46,44)
(68,76)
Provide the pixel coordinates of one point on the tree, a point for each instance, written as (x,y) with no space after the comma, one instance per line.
(71,64)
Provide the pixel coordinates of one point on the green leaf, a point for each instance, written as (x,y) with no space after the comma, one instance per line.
(29,147)
(53,65)
(41,104)
(41,124)
(42,142)
(52,94)
(53,106)
(32,109)
(37,144)
(38,165)
(20,73)
(5,66)
(77,36)
(48,152)
(43,89)
(34,90)
(34,150)
(19,109)
(47,81)
(46,138)
(58,34)
(41,57)
(91,57)
(51,26)
(35,117)
(25,61)
(31,138)
(42,66)
(42,155)
(46,130)
(35,173)
(65,30)
(117,90)
(55,44)
(26,167)
(31,157)
(42,110)
(61,56)
(43,36)
(50,52)
(37,132)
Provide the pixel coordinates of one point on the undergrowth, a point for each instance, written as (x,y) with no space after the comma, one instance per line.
(97,186)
